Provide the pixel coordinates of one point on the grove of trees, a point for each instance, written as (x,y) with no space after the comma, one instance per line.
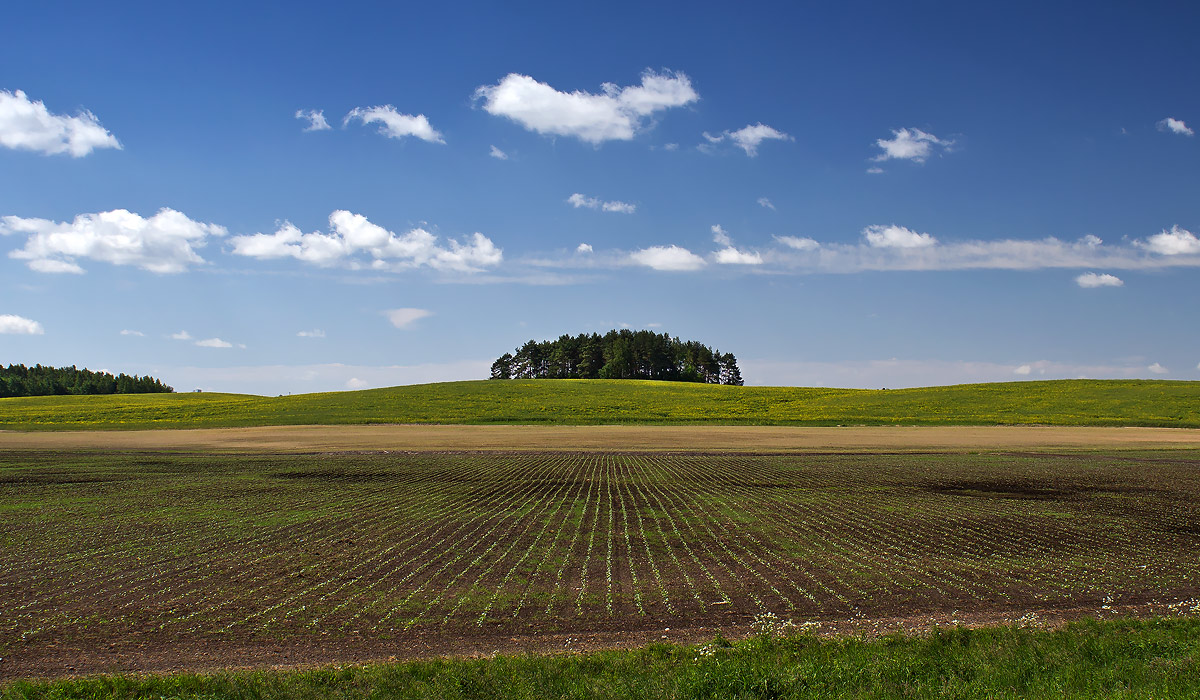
(19,380)
(623,354)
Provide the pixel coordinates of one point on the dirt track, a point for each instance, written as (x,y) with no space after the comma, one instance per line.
(321,438)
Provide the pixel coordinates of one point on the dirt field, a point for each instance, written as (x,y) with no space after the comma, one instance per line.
(118,557)
(440,438)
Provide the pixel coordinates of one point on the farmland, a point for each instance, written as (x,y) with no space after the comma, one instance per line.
(1172,404)
(153,560)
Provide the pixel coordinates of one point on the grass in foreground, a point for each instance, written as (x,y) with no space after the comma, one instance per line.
(593,402)
(1112,659)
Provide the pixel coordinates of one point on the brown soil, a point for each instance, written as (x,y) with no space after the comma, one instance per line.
(320,438)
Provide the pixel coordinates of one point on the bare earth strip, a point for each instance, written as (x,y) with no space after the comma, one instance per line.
(439,438)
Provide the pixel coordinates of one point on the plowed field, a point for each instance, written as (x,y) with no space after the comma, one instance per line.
(124,561)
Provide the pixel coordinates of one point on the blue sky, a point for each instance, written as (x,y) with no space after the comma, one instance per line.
(866,194)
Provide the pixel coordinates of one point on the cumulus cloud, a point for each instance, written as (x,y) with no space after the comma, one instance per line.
(394,124)
(356,242)
(749,137)
(733,256)
(1175,241)
(27,125)
(1091,280)
(19,325)
(315,117)
(578,200)
(356,383)
(798,242)
(164,243)
(1175,126)
(720,235)
(616,113)
(314,333)
(1023,370)
(129,332)
(403,318)
(583,248)
(894,236)
(766,203)
(498,154)
(669,258)
(181,335)
(910,144)
(213,343)
(1158,369)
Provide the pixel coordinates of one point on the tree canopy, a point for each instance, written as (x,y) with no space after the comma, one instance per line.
(19,380)
(623,354)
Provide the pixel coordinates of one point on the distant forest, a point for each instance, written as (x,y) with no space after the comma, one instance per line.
(623,354)
(19,380)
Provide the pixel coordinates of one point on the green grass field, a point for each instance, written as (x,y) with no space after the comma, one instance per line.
(588,402)
(1116,659)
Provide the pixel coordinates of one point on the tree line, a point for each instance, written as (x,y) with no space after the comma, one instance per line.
(19,380)
(623,354)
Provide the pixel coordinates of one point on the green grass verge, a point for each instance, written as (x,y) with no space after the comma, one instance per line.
(584,402)
(1115,659)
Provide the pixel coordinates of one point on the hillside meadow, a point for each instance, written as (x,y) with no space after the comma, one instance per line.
(596,402)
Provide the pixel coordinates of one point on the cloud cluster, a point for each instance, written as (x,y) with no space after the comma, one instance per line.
(894,236)
(27,125)
(578,200)
(616,113)
(749,137)
(403,318)
(19,325)
(1091,280)
(163,243)
(910,144)
(394,124)
(1174,241)
(1175,126)
(668,258)
(316,119)
(356,242)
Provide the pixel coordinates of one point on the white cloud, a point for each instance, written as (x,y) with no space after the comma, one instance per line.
(213,343)
(356,383)
(314,333)
(28,125)
(353,237)
(669,258)
(181,335)
(403,318)
(721,236)
(1175,126)
(749,137)
(894,236)
(129,332)
(733,256)
(1023,370)
(164,243)
(1176,241)
(617,113)
(874,170)
(1091,240)
(315,117)
(1091,280)
(579,200)
(764,202)
(910,144)
(272,380)
(583,248)
(498,154)
(798,242)
(394,124)
(19,325)
(1158,369)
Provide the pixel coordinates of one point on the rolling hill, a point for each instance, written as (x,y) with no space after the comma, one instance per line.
(589,402)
